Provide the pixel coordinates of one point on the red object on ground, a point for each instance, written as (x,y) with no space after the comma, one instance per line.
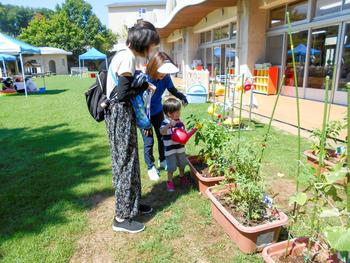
(181,136)
(93,75)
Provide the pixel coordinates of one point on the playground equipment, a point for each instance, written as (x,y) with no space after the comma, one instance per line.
(235,84)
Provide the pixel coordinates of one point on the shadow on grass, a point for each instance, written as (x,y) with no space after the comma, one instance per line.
(49,92)
(45,173)
(160,199)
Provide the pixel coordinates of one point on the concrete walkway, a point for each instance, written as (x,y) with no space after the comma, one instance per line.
(311,113)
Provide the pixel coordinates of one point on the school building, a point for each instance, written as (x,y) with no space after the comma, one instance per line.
(239,35)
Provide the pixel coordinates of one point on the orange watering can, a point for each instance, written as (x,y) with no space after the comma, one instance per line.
(180,135)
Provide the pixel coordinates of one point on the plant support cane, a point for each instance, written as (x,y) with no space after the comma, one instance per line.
(240,111)
(315,224)
(348,149)
(298,104)
(270,122)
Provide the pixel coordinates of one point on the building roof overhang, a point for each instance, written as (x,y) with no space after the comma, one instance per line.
(190,14)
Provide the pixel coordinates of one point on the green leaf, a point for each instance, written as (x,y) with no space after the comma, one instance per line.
(299,198)
(337,174)
(338,238)
(334,212)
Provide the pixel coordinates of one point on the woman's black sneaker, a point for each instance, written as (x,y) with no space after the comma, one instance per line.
(145,209)
(128,225)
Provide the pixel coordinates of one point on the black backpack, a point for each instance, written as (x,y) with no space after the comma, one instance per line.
(96,97)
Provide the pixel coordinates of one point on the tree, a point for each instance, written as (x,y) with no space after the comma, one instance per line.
(14,18)
(73,27)
(58,32)
(81,14)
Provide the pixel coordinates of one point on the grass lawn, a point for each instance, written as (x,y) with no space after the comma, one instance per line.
(56,196)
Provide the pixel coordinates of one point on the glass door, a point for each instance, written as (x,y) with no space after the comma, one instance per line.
(340,95)
(300,49)
(322,60)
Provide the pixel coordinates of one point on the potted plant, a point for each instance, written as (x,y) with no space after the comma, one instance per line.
(207,168)
(325,237)
(317,203)
(243,209)
(332,130)
(313,209)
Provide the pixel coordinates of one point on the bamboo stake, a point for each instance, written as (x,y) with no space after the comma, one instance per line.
(240,111)
(348,151)
(320,159)
(270,121)
(332,92)
(298,104)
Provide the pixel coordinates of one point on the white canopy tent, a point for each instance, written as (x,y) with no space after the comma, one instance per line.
(54,51)
(10,45)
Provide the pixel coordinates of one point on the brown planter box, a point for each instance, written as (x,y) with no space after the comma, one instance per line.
(202,182)
(295,247)
(248,239)
(313,161)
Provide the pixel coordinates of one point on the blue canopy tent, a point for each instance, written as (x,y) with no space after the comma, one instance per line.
(10,45)
(228,53)
(4,58)
(300,50)
(91,54)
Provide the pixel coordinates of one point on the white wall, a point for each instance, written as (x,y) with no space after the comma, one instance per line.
(60,60)
(128,15)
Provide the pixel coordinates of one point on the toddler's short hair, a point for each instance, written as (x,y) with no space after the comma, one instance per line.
(171,105)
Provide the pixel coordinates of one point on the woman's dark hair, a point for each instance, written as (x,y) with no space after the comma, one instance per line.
(171,105)
(155,63)
(141,36)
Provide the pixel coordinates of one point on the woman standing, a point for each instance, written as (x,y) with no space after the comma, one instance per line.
(157,69)
(121,126)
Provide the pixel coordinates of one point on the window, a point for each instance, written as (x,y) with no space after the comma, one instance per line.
(277,16)
(202,37)
(300,43)
(208,36)
(298,11)
(221,33)
(205,37)
(274,48)
(234,30)
(208,60)
(230,54)
(202,55)
(217,60)
(322,56)
(142,11)
(346,4)
(345,61)
(325,7)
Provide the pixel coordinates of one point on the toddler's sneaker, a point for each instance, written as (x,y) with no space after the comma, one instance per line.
(184,181)
(170,187)
(162,164)
(153,174)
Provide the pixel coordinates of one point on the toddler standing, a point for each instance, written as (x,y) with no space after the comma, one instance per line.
(174,152)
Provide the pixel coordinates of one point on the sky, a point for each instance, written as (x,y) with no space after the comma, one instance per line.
(99,6)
